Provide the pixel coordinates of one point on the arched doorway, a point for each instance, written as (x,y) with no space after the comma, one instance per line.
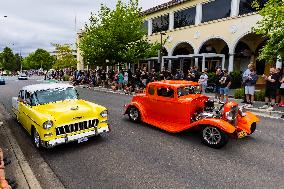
(247,50)
(184,64)
(216,46)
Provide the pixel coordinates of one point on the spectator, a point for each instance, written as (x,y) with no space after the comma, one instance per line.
(120,80)
(144,77)
(281,104)
(249,83)
(125,78)
(244,76)
(278,72)
(179,75)
(225,83)
(203,80)
(270,89)
(218,76)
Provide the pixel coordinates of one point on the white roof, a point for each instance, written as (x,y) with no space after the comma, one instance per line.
(46,86)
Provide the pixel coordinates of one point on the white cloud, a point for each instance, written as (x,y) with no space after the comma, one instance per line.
(33,24)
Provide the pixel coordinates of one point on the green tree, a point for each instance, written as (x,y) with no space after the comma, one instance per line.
(38,59)
(116,35)
(272,27)
(9,61)
(64,57)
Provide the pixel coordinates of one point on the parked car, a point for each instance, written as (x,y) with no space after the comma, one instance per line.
(2,81)
(52,114)
(176,106)
(22,76)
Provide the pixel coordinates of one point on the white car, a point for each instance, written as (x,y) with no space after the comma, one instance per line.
(22,76)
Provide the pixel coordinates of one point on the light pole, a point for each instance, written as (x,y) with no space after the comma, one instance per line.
(161,49)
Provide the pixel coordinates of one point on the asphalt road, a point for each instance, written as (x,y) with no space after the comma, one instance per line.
(141,156)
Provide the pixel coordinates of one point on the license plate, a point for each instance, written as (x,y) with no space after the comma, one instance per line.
(242,134)
(84,139)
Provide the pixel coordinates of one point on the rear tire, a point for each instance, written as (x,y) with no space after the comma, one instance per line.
(134,114)
(213,137)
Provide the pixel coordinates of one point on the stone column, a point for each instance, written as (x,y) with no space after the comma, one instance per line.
(198,16)
(231,62)
(170,65)
(235,4)
(149,66)
(80,62)
(203,63)
(150,27)
(171,20)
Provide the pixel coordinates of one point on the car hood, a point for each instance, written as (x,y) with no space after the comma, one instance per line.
(193,98)
(69,111)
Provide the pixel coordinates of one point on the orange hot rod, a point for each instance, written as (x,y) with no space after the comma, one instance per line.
(176,106)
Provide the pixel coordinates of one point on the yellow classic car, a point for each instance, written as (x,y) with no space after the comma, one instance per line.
(52,114)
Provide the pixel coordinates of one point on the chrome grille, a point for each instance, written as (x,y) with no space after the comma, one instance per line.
(74,127)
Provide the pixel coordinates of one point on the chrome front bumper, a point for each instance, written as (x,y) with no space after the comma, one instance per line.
(72,138)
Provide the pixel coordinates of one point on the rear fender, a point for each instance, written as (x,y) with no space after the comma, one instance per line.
(139,107)
(244,123)
(219,123)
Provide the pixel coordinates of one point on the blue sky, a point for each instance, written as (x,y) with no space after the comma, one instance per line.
(32,24)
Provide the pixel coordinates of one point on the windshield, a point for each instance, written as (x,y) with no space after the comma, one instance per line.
(48,96)
(183,91)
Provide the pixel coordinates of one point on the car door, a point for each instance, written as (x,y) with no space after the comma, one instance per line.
(24,118)
(164,104)
(149,103)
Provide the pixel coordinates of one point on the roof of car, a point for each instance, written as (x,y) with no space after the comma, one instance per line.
(175,83)
(46,86)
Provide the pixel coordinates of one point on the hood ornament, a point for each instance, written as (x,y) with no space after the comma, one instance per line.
(75,108)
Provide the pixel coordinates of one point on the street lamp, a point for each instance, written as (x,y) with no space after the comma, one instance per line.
(161,48)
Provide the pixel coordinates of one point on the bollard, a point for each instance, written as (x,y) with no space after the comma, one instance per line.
(3,183)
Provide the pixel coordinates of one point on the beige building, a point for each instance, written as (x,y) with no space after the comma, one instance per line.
(205,33)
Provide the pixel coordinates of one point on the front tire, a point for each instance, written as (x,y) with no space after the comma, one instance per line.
(36,139)
(134,114)
(213,137)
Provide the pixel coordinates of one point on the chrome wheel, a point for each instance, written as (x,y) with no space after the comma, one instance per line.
(36,138)
(212,135)
(134,114)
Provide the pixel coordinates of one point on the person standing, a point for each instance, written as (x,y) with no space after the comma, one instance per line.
(249,83)
(225,83)
(218,76)
(270,89)
(203,80)
(244,77)
(281,104)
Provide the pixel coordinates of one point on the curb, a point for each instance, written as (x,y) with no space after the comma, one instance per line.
(21,161)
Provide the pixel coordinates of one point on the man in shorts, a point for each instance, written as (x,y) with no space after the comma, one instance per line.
(270,89)
(218,76)
(249,83)
(225,83)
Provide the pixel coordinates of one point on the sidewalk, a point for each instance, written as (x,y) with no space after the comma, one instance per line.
(277,112)
(19,169)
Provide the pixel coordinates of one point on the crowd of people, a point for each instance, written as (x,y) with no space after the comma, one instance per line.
(130,82)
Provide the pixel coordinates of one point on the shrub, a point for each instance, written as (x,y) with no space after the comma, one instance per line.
(236,80)
(211,77)
(239,93)
(259,95)
(66,78)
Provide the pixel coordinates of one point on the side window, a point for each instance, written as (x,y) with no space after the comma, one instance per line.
(166,92)
(22,94)
(151,90)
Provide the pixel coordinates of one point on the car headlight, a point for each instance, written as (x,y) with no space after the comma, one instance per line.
(104,113)
(48,124)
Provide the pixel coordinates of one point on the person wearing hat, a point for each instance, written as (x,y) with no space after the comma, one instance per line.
(203,80)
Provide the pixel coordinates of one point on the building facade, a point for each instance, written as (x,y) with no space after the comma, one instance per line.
(206,33)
